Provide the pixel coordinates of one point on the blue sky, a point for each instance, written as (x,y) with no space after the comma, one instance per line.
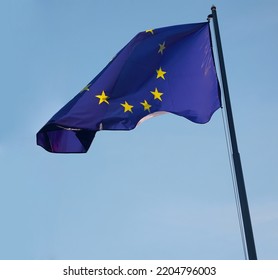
(161,191)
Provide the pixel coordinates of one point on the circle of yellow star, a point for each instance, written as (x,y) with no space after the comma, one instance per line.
(150,31)
(102,97)
(157,94)
(86,88)
(127,107)
(160,73)
(146,105)
(161,48)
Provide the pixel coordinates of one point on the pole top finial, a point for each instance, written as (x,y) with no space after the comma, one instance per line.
(213,8)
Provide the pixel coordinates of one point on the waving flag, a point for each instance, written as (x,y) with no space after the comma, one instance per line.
(169,69)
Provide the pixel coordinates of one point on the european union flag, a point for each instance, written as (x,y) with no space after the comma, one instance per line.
(169,69)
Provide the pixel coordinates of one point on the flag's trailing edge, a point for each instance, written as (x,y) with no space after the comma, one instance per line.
(169,69)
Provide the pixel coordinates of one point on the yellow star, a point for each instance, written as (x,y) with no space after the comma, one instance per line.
(157,94)
(87,88)
(146,105)
(127,107)
(161,48)
(150,31)
(102,98)
(160,73)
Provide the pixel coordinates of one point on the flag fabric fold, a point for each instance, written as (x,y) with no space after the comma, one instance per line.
(168,69)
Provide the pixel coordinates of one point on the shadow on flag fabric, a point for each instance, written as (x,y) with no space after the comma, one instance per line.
(168,69)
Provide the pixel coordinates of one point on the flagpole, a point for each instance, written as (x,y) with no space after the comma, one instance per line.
(249,238)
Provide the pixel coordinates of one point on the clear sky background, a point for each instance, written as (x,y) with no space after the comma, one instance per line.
(161,191)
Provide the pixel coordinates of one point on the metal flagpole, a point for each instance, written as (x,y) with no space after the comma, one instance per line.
(249,238)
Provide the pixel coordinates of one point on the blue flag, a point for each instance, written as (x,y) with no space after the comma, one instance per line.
(168,69)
